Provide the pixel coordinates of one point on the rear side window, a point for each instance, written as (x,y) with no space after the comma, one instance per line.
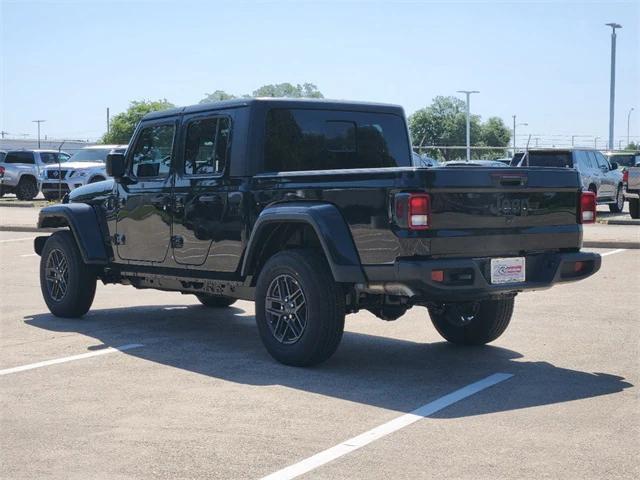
(19,157)
(550,159)
(299,139)
(207,146)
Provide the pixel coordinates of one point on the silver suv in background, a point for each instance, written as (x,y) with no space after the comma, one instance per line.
(85,166)
(20,170)
(597,174)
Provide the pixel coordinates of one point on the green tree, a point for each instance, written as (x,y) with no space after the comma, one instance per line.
(633,146)
(307,90)
(444,123)
(217,96)
(123,124)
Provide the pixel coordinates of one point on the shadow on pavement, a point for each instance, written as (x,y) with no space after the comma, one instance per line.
(385,372)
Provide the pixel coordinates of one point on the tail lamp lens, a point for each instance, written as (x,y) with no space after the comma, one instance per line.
(587,213)
(413,211)
(625,176)
(419,211)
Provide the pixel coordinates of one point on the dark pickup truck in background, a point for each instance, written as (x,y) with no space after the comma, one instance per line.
(313,210)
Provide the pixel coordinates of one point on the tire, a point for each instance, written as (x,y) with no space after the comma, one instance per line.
(489,320)
(634,207)
(619,205)
(27,189)
(215,301)
(74,297)
(51,196)
(318,305)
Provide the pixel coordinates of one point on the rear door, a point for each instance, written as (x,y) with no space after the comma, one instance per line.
(201,190)
(143,224)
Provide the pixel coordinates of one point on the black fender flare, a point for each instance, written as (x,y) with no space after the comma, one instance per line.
(330,227)
(83,222)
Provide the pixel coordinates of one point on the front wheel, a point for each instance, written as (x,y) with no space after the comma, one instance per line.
(472,323)
(299,308)
(619,205)
(68,284)
(634,207)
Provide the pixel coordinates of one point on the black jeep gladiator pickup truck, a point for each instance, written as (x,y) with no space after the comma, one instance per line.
(313,210)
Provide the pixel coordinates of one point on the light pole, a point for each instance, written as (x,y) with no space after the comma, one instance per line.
(612,91)
(39,122)
(595,142)
(514,131)
(628,120)
(468,94)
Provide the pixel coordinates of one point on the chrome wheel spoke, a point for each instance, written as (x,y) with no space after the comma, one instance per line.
(285,309)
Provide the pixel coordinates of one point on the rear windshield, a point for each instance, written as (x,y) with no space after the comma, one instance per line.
(298,139)
(550,159)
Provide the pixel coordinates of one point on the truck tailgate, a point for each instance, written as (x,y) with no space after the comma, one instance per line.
(489,211)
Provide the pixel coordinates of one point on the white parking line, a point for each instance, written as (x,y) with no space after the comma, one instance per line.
(16,239)
(613,252)
(29,255)
(55,361)
(385,429)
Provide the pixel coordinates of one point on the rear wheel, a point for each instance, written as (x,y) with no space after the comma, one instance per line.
(68,284)
(634,207)
(619,205)
(27,189)
(472,323)
(299,308)
(215,301)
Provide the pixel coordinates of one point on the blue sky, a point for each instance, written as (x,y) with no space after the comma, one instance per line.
(547,62)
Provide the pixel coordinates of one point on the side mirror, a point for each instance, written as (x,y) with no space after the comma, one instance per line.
(614,165)
(115,165)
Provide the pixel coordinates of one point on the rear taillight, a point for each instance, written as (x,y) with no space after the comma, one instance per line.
(625,176)
(413,211)
(587,212)
(1,170)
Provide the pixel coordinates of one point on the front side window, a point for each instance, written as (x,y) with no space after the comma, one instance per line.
(19,157)
(207,146)
(602,162)
(299,139)
(52,157)
(152,152)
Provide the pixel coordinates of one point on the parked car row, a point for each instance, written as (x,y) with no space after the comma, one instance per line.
(55,173)
(600,173)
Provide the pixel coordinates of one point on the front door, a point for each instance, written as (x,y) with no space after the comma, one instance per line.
(143,226)
(201,190)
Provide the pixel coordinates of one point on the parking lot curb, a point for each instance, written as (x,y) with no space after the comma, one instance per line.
(620,222)
(608,244)
(22,204)
(25,228)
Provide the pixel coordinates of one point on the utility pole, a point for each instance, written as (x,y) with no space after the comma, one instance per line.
(38,122)
(468,94)
(108,122)
(595,142)
(573,138)
(514,131)
(612,89)
(628,120)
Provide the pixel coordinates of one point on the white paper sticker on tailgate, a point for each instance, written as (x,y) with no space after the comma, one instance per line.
(507,270)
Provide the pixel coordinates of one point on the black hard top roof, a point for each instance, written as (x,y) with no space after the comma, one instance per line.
(280,103)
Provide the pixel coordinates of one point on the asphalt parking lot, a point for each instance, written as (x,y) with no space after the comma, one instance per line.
(192,393)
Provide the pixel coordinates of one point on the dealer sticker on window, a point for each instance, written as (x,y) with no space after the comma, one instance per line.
(507,270)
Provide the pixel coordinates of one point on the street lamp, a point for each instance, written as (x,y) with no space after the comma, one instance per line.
(38,122)
(612,91)
(468,94)
(628,119)
(514,131)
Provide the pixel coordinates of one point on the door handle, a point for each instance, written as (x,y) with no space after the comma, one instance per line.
(209,198)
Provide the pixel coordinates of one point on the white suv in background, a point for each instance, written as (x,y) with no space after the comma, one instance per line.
(85,166)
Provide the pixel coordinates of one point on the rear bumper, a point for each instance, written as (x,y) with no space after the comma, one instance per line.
(470,278)
(632,194)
